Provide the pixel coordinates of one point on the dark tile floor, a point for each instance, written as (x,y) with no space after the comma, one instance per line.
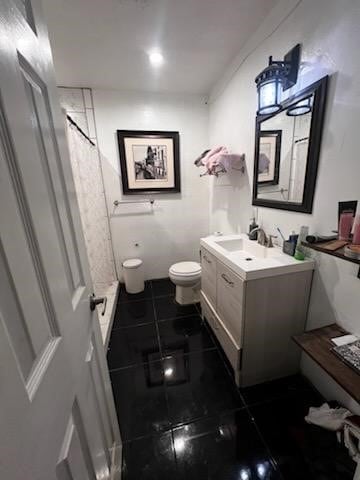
(182,417)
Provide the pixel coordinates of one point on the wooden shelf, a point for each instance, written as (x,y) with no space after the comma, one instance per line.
(338,253)
(317,344)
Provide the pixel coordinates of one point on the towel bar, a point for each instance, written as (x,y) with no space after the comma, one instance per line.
(129,202)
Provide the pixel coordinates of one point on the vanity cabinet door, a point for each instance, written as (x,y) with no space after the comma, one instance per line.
(230,293)
(228,344)
(208,276)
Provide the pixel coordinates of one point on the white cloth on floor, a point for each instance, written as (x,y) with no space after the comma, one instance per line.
(329,418)
(352,439)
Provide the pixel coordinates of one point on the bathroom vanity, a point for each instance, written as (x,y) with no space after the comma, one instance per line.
(254,299)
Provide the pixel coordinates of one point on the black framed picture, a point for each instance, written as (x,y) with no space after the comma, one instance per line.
(269,157)
(149,161)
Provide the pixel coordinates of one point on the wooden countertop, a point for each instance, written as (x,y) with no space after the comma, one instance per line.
(316,343)
(319,247)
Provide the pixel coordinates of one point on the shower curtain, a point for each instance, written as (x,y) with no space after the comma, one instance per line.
(89,188)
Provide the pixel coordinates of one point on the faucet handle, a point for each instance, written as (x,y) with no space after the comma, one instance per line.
(270,242)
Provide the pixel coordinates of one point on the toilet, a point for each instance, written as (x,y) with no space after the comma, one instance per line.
(186,276)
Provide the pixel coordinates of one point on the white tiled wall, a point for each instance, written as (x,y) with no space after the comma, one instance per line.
(78,103)
(170,231)
(89,187)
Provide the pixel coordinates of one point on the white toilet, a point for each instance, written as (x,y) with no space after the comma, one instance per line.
(186,276)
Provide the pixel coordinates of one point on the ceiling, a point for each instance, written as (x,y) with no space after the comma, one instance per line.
(105,43)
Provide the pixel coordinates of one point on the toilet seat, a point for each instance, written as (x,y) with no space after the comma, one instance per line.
(185,269)
(187,277)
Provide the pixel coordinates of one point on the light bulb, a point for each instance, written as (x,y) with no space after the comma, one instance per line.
(156,58)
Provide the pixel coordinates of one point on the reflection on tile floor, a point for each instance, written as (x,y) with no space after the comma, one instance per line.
(199,386)
(222,447)
(182,417)
(131,314)
(184,335)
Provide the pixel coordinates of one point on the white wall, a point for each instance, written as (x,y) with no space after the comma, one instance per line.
(169,232)
(329,33)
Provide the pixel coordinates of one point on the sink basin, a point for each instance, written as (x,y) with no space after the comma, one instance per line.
(246,249)
(231,245)
(251,260)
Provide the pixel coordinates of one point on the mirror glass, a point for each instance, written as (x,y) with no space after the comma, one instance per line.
(283,153)
(287,151)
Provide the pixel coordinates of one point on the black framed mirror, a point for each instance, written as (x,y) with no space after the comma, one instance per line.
(287,148)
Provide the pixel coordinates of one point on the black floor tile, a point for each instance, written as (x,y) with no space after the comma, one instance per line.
(184,335)
(282,424)
(222,448)
(133,346)
(191,390)
(264,392)
(324,456)
(163,287)
(140,400)
(130,297)
(134,313)
(198,385)
(166,308)
(150,458)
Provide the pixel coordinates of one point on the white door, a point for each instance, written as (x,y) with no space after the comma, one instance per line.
(57,416)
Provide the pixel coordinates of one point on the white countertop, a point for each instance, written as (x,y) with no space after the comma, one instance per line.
(265,262)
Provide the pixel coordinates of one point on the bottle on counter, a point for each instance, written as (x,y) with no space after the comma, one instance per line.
(356,236)
(252,226)
(345,225)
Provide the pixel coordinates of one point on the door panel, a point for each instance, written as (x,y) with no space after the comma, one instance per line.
(75,457)
(57,415)
(72,464)
(26,10)
(14,320)
(28,277)
(98,390)
(48,152)
(94,411)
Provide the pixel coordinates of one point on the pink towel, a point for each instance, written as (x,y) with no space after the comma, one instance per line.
(210,153)
(211,160)
(219,159)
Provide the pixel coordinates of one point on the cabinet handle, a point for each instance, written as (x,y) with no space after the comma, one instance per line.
(206,258)
(229,282)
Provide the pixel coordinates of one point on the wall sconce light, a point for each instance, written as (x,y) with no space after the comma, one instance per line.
(278,76)
(300,108)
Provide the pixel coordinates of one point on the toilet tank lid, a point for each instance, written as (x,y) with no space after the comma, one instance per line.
(132,263)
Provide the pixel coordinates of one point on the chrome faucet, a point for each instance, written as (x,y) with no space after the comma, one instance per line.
(262,238)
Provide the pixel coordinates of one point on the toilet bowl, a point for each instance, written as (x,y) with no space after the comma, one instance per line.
(186,276)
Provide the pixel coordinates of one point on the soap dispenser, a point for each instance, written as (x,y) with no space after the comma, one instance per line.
(252,226)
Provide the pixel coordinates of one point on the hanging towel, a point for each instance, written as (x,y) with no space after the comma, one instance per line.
(219,160)
(232,160)
(212,159)
(198,161)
